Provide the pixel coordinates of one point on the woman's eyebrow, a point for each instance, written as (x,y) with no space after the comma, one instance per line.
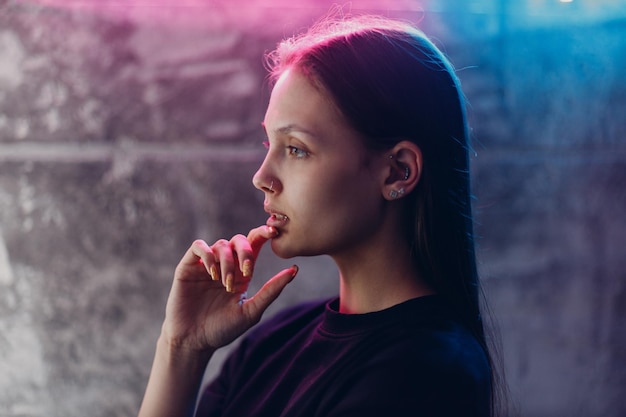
(292,127)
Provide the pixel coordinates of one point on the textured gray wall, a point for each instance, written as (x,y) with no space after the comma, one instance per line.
(128,130)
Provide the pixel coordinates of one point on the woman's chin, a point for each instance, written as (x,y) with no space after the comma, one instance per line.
(286,251)
(282,250)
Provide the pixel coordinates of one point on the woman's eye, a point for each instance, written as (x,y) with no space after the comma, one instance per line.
(297,152)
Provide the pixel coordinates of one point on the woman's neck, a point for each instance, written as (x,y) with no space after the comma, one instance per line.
(378,278)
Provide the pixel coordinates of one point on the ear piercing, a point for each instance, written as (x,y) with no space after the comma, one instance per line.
(407,172)
(393,194)
(396,193)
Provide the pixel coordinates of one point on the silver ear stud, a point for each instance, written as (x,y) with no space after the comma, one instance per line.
(396,193)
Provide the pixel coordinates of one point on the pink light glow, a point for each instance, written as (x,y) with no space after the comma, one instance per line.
(242,11)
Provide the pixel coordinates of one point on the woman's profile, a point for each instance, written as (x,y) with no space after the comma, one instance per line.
(367,162)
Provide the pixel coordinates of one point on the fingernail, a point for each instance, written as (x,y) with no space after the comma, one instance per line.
(247,268)
(294,270)
(273,231)
(229,282)
(213,273)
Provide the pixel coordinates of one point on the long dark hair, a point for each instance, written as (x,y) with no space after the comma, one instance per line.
(392,83)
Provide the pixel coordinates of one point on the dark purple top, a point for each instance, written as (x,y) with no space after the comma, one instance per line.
(413,359)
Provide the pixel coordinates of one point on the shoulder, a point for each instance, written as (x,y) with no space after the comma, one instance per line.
(446,350)
(433,364)
(443,371)
(426,333)
(434,345)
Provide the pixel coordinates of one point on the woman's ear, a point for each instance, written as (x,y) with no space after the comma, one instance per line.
(405,169)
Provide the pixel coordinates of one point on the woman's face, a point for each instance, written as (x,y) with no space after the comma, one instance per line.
(322,187)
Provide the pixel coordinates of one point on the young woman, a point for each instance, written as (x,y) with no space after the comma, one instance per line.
(367,162)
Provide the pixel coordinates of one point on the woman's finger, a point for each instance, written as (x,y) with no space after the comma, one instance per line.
(258,236)
(199,256)
(269,292)
(225,258)
(237,257)
(245,254)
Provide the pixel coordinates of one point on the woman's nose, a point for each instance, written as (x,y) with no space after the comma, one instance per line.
(264,180)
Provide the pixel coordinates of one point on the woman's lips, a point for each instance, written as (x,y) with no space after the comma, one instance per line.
(277,220)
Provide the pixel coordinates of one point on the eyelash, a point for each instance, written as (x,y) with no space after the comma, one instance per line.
(297,152)
(293,150)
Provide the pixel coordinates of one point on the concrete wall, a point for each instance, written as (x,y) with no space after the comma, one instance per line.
(128,130)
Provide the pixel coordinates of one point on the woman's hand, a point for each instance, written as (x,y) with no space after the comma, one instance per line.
(203,310)
(204,313)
